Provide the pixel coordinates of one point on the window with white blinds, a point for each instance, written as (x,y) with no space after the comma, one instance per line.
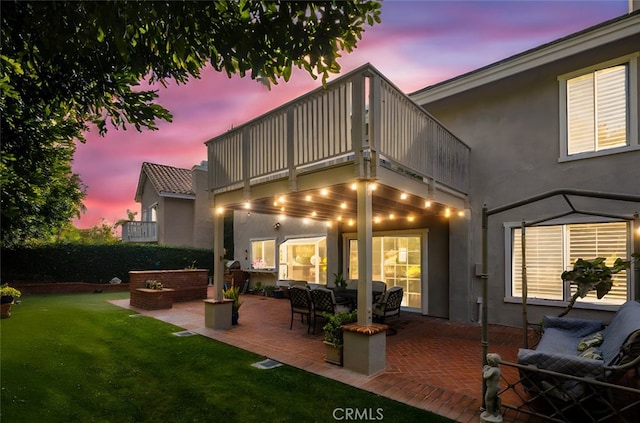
(597,110)
(552,249)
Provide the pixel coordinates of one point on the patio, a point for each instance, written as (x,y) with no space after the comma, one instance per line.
(432,363)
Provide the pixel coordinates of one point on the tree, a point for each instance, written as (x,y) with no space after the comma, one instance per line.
(67,65)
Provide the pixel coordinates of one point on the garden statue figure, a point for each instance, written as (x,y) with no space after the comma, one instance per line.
(491,375)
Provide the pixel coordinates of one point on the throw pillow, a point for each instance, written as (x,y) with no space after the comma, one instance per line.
(589,341)
(593,353)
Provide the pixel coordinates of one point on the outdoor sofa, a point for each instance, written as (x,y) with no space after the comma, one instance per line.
(584,349)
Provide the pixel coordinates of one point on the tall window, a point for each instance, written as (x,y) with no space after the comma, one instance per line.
(263,254)
(598,110)
(397,261)
(552,249)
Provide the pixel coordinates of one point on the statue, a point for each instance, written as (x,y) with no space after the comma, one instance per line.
(491,375)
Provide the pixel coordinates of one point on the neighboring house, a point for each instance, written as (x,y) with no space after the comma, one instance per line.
(400,181)
(174,206)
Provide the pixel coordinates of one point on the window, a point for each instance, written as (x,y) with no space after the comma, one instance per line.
(304,259)
(552,249)
(263,254)
(153,213)
(397,261)
(598,112)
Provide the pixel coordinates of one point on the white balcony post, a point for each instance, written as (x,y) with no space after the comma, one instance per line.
(218,251)
(365,260)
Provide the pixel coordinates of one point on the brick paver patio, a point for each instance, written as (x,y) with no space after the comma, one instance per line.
(432,363)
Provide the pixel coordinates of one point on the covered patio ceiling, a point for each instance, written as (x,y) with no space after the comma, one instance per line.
(337,203)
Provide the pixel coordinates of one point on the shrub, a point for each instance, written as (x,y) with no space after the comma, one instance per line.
(96,263)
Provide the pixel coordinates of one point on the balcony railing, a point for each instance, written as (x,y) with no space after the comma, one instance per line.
(357,116)
(140,232)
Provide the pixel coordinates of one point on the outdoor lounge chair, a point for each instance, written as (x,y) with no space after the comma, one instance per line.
(560,351)
(301,304)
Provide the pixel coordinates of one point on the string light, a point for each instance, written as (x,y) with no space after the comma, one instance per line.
(354,186)
(308,198)
(447,212)
(247,205)
(324,192)
(427,204)
(403,196)
(343,205)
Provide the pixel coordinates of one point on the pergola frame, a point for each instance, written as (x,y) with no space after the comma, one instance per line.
(565,194)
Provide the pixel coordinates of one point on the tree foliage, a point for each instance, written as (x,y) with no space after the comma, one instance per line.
(66,65)
(594,275)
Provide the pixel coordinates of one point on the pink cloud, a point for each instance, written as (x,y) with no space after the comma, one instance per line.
(419,43)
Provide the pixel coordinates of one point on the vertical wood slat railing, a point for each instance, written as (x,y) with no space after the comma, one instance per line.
(319,126)
(140,231)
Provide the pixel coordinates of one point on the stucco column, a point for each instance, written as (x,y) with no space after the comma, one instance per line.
(217,311)
(365,260)
(218,252)
(365,342)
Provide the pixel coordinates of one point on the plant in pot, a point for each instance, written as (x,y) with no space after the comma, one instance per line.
(233,293)
(593,275)
(333,334)
(269,290)
(339,281)
(7,296)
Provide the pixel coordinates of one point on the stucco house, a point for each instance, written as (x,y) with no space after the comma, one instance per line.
(174,207)
(399,181)
(560,116)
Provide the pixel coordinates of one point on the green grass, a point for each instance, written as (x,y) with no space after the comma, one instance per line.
(77,358)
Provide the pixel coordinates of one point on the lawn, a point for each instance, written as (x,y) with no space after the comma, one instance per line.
(78,358)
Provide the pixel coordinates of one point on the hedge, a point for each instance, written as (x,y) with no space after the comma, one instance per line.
(95,263)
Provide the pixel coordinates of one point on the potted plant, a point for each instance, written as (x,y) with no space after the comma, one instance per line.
(590,275)
(7,296)
(258,289)
(339,281)
(333,334)
(233,293)
(269,290)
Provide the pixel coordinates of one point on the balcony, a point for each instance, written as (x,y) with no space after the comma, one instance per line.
(140,232)
(358,127)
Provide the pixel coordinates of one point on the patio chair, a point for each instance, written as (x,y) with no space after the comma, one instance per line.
(301,304)
(379,288)
(389,305)
(324,301)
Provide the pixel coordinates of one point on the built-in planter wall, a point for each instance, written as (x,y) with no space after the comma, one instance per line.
(188,284)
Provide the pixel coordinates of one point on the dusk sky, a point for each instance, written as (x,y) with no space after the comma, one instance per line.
(418,43)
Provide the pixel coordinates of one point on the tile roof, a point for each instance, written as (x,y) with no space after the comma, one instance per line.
(168,181)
